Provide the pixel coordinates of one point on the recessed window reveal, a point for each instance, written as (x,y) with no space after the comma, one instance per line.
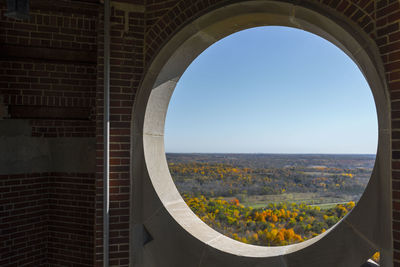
(271,136)
(175,229)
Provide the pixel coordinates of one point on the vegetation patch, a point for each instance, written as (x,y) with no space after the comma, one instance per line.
(275,225)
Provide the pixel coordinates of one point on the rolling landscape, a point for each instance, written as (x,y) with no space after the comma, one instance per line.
(270,199)
(259,179)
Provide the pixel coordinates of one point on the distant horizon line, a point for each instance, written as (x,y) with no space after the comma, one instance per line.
(271,153)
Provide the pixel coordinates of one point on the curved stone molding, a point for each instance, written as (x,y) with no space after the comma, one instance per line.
(180,238)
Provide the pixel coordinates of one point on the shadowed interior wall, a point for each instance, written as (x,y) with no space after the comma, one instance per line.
(47,219)
(47,135)
(23,219)
(51,70)
(70,219)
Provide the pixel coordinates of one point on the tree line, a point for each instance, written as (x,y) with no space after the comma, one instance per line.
(275,225)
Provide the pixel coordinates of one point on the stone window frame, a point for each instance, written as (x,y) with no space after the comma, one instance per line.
(165,232)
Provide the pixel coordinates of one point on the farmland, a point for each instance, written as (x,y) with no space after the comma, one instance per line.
(258,179)
(270,199)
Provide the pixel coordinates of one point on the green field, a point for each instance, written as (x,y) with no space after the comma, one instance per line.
(327,206)
(313,199)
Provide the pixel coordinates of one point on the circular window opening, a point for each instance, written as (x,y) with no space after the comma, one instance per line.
(271,135)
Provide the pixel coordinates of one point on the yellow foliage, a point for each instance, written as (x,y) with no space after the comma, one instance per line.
(255,236)
(231,216)
(376,257)
(274,232)
(236,213)
(350,205)
(281,236)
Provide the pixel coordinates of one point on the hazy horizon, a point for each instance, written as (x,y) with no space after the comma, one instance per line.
(272,90)
(266,153)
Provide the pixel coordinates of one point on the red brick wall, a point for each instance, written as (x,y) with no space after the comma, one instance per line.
(156,9)
(388,40)
(53,25)
(138,31)
(23,219)
(127,34)
(70,225)
(48,68)
(62,128)
(28,82)
(33,83)
(51,80)
(47,219)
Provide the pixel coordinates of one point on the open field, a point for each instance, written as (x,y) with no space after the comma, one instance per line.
(259,179)
(327,206)
(313,199)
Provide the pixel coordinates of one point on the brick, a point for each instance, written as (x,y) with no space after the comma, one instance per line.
(388,9)
(34,226)
(388,29)
(74,26)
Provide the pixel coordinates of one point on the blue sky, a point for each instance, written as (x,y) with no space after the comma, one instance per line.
(272,90)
